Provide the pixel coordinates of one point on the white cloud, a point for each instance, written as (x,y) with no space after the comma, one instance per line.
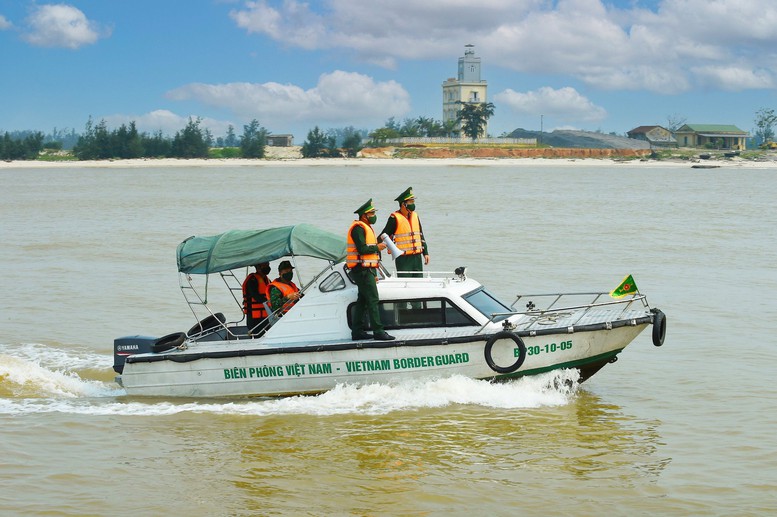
(338,98)
(669,48)
(61,25)
(4,24)
(719,23)
(564,103)
(166,121)
(667,80)
(735,78)
(378,32)
(295,24)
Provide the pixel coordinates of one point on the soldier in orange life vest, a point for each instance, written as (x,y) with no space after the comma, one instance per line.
(283,292)
(363,259)
(404,228)
(254,297)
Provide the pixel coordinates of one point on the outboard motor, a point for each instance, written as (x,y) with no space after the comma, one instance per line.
(130,345)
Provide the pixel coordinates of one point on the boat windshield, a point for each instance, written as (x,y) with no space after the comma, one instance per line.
(485,302)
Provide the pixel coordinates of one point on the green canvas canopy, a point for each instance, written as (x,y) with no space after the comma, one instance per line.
(241,248)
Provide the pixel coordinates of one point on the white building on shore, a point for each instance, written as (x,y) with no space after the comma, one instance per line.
(466,87)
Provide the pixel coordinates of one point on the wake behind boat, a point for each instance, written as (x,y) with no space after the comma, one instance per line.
(444,325)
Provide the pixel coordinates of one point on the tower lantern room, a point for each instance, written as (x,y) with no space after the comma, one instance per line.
(466,87)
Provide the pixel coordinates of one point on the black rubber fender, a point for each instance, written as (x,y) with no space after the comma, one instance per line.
(167,342)
(659,327)
(490,344)
(212,321)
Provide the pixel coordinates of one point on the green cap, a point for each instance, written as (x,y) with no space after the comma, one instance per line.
(366,207)
(404,196)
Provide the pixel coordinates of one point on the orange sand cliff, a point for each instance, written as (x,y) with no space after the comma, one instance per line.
(495,152)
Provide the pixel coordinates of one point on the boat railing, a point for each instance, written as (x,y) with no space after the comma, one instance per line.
(557,297)
(460,272)
(443,277)
(197,300)
(330,267)
(537,313)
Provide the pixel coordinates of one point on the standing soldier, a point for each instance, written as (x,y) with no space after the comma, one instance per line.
(255,296)
(404,228)
(363,259)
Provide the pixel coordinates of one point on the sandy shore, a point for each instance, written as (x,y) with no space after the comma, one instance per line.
(392,162)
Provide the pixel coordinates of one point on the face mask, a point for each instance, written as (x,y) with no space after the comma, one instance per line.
(265,270)
(373,219)
(288,276)
(410,206)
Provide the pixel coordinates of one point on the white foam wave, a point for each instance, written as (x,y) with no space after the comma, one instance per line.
(43,378)
(32,379)
(35,370)
(551,389)
(56,358)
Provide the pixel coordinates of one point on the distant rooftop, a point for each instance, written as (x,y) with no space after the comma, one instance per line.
(712,128)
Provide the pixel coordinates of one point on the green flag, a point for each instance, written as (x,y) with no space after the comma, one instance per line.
(628,286)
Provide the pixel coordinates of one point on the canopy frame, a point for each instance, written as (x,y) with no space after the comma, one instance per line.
(240,249)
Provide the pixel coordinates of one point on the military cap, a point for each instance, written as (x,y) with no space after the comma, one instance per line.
(404,196)
(366,207)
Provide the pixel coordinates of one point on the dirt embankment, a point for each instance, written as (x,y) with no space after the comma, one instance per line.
(495,152)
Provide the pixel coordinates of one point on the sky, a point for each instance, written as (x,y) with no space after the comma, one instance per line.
(596,65)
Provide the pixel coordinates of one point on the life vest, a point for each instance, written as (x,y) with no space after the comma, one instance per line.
(251,306)
(353,258)
(286,290)
(407,236)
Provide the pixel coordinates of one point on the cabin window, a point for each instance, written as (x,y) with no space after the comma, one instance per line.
(483,301)
(408,314)
(333,282)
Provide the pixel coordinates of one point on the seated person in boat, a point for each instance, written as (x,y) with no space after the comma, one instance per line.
(255,296)
(283,292)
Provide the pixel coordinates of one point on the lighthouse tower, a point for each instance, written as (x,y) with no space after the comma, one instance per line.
(466,87)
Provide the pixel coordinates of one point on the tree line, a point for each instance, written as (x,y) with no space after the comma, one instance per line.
(25,148)
(27,145)
(470,120)
(98,142)
(194,141)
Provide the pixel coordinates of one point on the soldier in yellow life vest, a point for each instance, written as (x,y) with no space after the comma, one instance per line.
(363,259)
(283,293)
(254,297)
(404,228)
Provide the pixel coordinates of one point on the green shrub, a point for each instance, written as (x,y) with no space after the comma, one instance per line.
(224,152)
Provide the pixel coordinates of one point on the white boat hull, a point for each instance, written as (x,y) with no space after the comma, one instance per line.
(310,370)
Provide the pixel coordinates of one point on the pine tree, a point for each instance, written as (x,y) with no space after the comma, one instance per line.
(253,141)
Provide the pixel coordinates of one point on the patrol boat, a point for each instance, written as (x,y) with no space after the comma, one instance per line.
(443,324)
